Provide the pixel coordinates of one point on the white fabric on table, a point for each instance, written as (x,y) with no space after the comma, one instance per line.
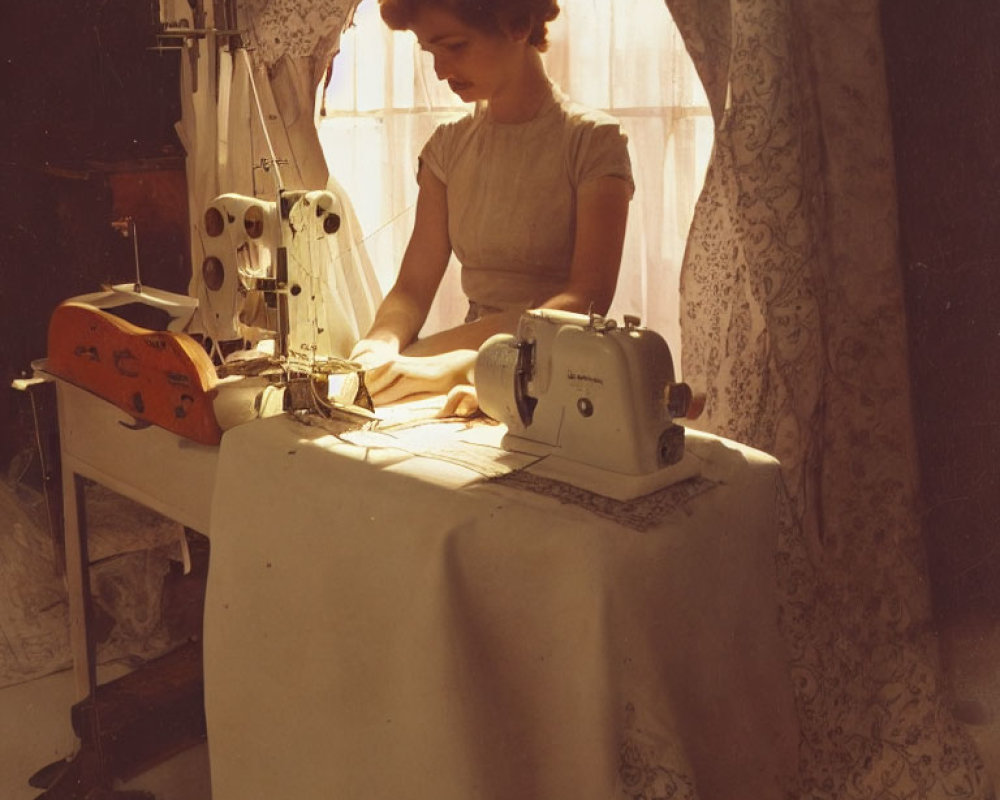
(375,628)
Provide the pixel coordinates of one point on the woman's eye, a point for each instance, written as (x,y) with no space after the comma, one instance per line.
(436,48)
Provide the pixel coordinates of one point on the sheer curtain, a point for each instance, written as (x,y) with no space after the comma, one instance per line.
(625,57)
(794,326)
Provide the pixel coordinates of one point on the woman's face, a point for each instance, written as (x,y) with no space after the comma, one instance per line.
(476,65)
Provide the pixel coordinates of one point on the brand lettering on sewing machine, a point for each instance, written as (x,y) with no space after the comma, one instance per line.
(577,376)
(178,379)
(126,363)
(90,352)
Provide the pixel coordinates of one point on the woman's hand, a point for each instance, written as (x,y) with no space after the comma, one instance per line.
(462,401)
(371,353)
(408,376)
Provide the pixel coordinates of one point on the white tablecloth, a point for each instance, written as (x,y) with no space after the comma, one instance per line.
(383,625)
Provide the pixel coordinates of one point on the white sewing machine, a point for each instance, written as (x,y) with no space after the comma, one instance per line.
(597,398)
(262,304)
(264,272)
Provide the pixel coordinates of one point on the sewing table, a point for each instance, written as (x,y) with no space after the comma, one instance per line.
(385,618)
(396,616)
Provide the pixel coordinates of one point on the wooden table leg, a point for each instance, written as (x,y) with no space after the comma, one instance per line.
(78,583)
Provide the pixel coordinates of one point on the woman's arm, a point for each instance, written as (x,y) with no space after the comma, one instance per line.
(404,309)
(601,215)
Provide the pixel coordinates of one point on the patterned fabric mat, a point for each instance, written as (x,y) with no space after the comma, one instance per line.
(640,513)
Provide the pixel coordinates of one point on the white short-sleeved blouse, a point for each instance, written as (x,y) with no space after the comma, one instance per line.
(511,192)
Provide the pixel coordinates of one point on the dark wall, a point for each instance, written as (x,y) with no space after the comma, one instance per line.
(87,137)
(944,82)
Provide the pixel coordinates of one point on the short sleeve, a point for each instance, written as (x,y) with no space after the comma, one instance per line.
(432,155)
(603,152)
(444,146)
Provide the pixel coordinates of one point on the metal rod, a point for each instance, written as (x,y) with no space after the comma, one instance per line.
(135,249)
(263,123)
(198,32)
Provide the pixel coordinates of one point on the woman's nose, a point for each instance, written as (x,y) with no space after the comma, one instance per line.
(442,67)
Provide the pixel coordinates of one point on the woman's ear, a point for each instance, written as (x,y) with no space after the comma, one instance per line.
(519,28)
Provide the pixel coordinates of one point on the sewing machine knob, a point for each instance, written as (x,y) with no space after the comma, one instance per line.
(331,224)
(253,222)
(213,273)
(682,402)
(671,445)
(585,406)
(678,399)
(215,224)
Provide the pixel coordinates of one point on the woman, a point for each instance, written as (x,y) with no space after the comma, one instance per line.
(530,190)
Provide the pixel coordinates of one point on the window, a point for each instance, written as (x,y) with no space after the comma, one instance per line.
(625,57)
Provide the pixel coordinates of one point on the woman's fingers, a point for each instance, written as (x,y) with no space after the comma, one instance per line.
(399,389)
(371,353)
(405,376)
(460,402)
(380,378)
(400,379)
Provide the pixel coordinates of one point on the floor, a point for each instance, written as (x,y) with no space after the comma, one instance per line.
(970,649)
(35,731)
(987,739)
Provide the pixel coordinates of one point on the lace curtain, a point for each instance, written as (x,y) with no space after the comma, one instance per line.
(624,57)
(793,324)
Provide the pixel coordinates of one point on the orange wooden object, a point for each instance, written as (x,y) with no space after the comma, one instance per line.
(159,377)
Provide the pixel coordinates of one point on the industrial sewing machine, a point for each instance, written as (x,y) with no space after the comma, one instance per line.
(262,334)
(597,398)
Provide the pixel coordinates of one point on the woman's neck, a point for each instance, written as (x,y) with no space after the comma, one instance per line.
(524,95)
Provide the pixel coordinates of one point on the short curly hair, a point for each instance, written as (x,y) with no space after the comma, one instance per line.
(490,16)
